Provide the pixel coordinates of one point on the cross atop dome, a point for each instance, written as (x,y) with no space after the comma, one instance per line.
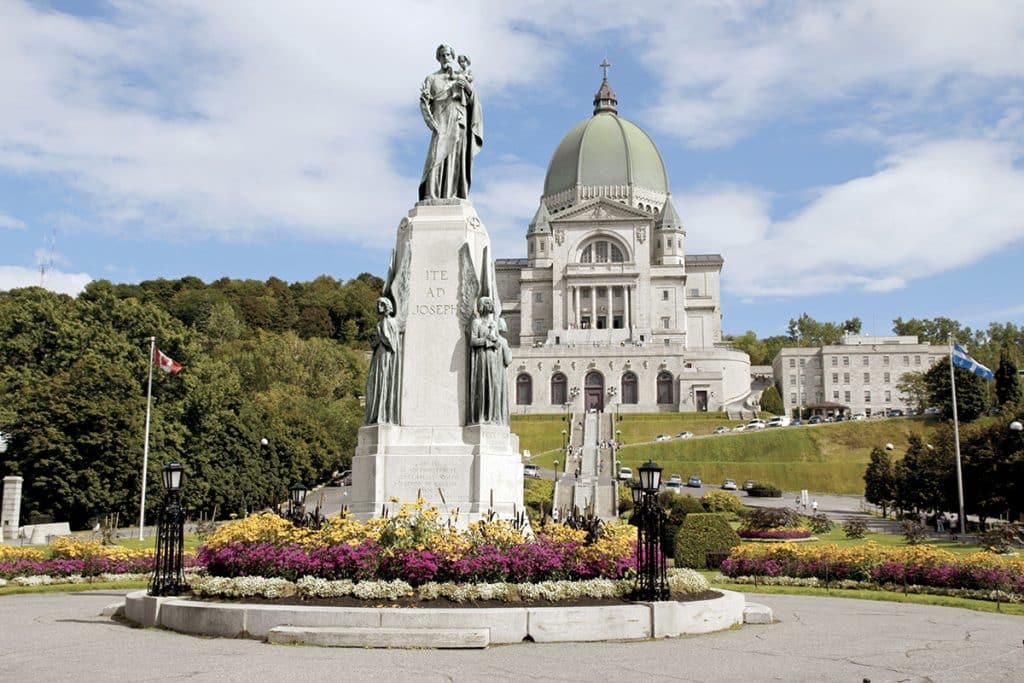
(604,98)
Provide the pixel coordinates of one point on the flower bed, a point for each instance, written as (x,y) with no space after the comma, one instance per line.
(879,565)
(411,546)
(778,534)
(69,556)
(681,582)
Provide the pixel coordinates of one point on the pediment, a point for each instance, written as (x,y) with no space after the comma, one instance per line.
(600,209)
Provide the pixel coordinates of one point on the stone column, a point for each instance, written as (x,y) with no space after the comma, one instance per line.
(11,512)
(625,300)
(576,306)
(593,307)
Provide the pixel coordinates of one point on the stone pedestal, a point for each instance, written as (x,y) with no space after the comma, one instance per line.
(10,515)
(432,452)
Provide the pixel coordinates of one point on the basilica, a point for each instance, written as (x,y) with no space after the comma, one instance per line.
(608,311)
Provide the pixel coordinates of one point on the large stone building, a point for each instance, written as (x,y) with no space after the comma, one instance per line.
(607,310)
(858,375)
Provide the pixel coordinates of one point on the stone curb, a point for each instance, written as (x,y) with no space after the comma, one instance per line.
(439,638)
(638,621)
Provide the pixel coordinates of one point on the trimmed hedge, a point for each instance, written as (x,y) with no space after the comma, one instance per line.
(764,491)
(703,533)
(721,501)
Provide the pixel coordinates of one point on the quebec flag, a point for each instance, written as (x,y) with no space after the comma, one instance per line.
(961,359)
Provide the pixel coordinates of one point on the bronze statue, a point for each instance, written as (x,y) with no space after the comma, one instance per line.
(453,114)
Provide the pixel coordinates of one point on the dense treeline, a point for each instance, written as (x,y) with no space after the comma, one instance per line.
(285,363)
(987,346)
(924,478)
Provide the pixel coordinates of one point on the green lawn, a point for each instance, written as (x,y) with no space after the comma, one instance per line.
(826,458)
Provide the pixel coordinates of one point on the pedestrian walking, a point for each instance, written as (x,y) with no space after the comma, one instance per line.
(814,506)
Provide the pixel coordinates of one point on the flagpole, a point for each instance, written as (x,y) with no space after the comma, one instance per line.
(145,445)
(956,441)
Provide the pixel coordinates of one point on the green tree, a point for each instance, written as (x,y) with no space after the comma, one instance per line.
(934,331)
(772,402)
(1007,380)
(880,480)
(914,389)
(925,478)
(971,394)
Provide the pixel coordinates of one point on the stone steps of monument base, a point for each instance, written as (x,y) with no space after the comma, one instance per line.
(381,637)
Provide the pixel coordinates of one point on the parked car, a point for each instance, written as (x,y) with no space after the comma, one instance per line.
(662,437)
(749,484)
(779,421)
(796,423)
(674,486)
(342,479)
(684,435)
(625,473)
(531,470)
(931,411)
(676,478)
(721,430)
(858,416)
(895,412)
(757,424)
(693,481)
(729,484)
(740,428)
(814,420)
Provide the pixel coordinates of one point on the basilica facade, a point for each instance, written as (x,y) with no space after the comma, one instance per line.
(608,311)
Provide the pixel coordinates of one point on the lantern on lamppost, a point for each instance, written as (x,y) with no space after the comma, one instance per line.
(168,572)
(650,560)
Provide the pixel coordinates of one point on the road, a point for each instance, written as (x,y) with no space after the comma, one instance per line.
(60,637)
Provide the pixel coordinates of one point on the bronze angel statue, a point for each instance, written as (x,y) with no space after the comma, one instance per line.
(489,352)
(384,379)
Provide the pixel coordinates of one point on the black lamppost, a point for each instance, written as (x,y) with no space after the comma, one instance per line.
(650,561)
(168,575)
(297,503)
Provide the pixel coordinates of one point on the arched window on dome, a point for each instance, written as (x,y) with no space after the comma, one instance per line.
(664,388)
(524,390)
(602,251)
(559,395)
(629,389)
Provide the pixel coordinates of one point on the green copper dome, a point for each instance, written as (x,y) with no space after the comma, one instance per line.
(606,150)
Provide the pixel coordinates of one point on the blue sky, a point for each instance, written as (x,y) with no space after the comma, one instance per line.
(847,159)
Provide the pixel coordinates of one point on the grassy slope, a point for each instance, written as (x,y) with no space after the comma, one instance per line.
(828,458)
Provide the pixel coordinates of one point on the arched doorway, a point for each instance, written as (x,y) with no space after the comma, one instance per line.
(593,391)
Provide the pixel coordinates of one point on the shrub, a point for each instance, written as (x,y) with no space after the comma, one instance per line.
(721,501)
(625,498)
(764,491)
(676,507)
(763,519)
(779,534)
(855,528)
(999,538)
(914,533)
(703,533)
(819,523)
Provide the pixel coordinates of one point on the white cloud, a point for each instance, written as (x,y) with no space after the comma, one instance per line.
(926,211)
(13,277)
(236,118)
(11,222)
(726,70)
(507,202)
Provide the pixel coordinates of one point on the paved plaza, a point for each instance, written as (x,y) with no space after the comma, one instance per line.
(61,637)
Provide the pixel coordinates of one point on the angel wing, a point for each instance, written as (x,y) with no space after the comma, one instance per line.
(489,282)
(386,289)
(469,287)
(400,287)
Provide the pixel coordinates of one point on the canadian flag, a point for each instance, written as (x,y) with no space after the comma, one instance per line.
(166,363)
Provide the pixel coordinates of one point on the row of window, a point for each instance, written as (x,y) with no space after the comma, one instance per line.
(846,396)
(628,390)
(865,360)
(816,379)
